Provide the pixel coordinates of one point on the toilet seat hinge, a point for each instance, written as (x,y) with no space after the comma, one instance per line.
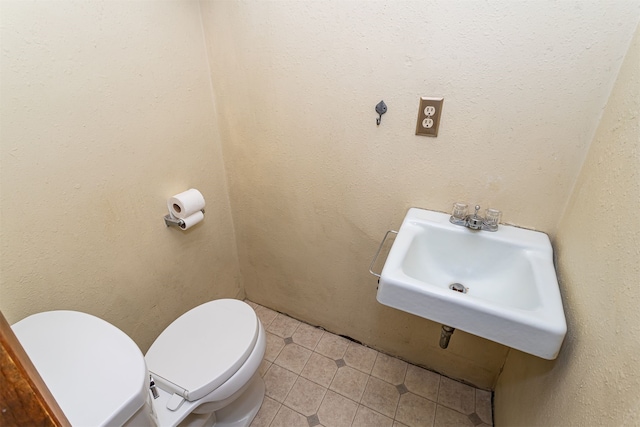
(152,387)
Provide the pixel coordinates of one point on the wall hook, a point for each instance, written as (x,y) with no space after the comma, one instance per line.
(381,108)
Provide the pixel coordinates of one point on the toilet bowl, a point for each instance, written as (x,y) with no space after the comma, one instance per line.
(204,367)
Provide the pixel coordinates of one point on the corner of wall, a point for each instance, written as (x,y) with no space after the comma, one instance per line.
(593,380)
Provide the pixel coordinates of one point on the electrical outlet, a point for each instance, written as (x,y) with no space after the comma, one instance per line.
(429,114)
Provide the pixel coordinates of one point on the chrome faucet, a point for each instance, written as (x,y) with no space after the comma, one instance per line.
(475,221)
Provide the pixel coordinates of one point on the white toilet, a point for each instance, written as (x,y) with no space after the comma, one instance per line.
(204,365)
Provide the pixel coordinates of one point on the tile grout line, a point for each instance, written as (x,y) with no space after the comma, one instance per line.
(284,399)
(437,400)
(404,379)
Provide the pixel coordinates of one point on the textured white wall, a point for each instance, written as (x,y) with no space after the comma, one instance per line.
(596,379)
(314,182)
(105,112)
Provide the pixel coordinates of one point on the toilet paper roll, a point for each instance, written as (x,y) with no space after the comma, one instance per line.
(192,220)
(185,204)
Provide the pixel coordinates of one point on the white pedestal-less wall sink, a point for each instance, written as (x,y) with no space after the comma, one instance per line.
(504,283)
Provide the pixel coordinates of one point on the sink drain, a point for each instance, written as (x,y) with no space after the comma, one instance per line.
(458,287)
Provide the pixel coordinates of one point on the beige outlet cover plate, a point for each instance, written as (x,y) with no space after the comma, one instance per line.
(429,114)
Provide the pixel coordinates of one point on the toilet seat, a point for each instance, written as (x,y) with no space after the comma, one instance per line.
(203,348)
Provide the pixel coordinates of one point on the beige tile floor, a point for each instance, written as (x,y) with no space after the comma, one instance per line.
(315,378)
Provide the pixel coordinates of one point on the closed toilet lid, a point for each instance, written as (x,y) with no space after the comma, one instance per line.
(203,348)
(95,371)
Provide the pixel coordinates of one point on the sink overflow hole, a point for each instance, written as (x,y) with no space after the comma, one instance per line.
(458,287)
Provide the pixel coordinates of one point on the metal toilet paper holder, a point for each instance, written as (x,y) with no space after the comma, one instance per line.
(177,222)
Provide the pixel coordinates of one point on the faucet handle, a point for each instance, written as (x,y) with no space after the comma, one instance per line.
(475,215)
(492,219)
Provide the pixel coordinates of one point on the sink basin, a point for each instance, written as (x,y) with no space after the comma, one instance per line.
(508,289)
